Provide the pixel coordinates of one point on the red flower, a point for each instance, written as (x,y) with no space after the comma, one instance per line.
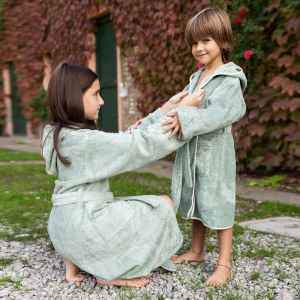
(35,120)
(237,20)
(259,57)
(34,93)
(31,108)
(25,100)
(199,65)
(247,54)
(233,11)
(242,12)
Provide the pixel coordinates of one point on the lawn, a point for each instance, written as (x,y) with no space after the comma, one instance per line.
(7,155)
(25,205)
(26,190)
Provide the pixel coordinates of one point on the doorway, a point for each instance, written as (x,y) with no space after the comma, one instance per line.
(19,121)
(106,65)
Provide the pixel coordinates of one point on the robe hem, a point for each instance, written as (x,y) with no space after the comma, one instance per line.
(207,225)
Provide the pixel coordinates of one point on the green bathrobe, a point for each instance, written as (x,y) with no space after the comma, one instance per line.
(203,181)
(106,236)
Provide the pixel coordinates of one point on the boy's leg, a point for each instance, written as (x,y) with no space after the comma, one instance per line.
(222,272)
(197,251)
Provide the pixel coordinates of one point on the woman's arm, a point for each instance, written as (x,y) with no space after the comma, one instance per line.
(162,111)
(108,154)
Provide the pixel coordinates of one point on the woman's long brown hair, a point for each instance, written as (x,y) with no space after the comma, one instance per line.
(65,92)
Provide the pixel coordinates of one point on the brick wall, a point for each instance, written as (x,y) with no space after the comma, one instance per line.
(130,114)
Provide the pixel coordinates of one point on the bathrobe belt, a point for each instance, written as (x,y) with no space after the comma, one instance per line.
(80,197)
(188,177)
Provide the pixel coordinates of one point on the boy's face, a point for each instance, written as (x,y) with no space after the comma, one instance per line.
(206,51)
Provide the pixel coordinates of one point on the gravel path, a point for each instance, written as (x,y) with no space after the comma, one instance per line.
(37,272)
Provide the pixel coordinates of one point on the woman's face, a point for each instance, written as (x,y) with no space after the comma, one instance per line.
(92,101)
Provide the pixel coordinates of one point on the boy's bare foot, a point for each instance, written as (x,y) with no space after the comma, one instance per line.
(220,276)
(189,256)
(134,282)
(71,271)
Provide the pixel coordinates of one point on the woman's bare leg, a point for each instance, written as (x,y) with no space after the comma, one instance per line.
(197,245)
(169,200)
(71,271)
(134,282)
(222,272)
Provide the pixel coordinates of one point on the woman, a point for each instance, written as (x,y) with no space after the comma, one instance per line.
(118,240)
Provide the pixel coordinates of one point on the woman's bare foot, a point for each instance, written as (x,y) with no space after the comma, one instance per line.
(220,276)
(71,271)
(134,282)
(189,256)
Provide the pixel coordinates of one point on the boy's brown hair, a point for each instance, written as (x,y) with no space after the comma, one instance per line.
(214,23)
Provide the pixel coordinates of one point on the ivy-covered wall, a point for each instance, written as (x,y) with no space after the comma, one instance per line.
(151,34)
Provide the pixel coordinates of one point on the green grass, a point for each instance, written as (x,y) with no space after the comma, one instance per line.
(6,155)
(4,262)
(25,203)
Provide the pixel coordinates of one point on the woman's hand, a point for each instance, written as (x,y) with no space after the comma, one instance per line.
(135,125)
(194,99)
(173,102)
(174,124)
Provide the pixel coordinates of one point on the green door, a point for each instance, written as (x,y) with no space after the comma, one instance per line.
(106,59)
(19,122)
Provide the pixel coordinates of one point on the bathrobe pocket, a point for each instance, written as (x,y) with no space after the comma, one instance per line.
(153,201)
(204,154)
(107,221)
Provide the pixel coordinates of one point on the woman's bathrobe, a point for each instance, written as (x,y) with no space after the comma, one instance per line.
(106,236)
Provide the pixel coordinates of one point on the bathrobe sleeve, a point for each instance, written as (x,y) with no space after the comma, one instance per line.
(109,154)
(226,106)
(150,119)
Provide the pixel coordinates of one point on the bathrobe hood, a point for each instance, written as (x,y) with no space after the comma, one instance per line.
(48,152)
(229,69)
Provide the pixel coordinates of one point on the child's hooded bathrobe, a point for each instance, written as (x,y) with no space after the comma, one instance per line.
(205,168)
(106,236)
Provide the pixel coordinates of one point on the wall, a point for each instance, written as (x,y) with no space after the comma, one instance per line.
(130,113)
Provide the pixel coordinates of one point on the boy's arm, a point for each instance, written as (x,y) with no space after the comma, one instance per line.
(227,106)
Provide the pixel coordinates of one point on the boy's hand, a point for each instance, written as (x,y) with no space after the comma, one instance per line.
(173,102)
(194,99)
(136,124)
(174,124)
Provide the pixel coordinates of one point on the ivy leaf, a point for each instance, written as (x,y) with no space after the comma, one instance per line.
(273,159)
(286,60)
(293,104)
(258,129)
(291,87)
(277,81)
(253,113)
(276,133)
(254,163)
(293,23)
(297,151)
(265,117)
(296,49)
(295,116)
(277,52)
(279,115)
(280,103)
(293,69)
(278,33)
